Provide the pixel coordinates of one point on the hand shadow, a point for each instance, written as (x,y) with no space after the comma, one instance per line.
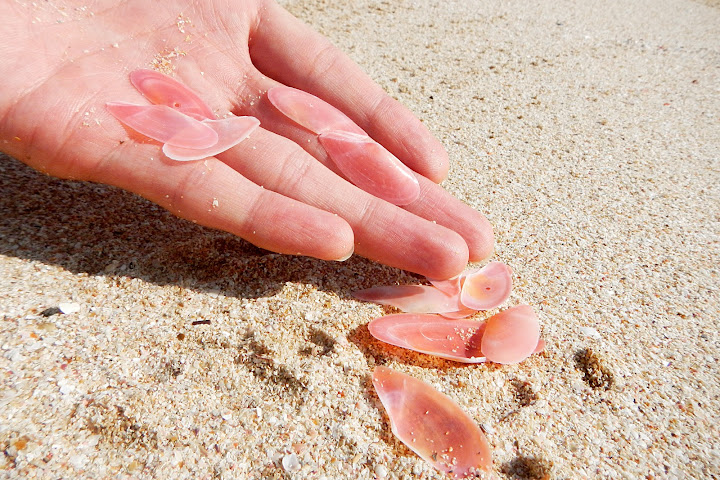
(102,230)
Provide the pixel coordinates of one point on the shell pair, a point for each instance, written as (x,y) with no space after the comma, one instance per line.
(179,119)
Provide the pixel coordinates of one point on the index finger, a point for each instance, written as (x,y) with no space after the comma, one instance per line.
(290,52)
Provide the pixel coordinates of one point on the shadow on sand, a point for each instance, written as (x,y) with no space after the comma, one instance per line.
(101,230)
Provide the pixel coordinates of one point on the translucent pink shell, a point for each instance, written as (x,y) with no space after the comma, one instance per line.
(488,287)
(164,124)
(371,167)
(412,298)
(310,112)
(163,90)
(431,424)
(457,340)
(230,131)
(512,335)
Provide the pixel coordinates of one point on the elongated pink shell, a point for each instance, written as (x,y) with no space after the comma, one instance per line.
(310,112)
(457,340)
(488,287)
(164,124)
(231,131)
(411,298)
(163,90)
(431,424)
(371,167)
(512,335)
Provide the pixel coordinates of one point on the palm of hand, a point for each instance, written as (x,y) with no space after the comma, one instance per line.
(59,75)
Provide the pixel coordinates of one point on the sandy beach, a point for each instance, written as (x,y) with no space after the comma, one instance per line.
(587,132)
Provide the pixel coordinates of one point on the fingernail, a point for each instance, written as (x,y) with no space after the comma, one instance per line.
(342,259)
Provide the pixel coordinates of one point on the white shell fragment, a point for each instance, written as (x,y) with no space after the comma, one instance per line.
(69,307)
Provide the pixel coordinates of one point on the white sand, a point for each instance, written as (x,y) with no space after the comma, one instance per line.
(589,132)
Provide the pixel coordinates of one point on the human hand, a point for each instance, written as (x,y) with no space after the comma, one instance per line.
(64,61)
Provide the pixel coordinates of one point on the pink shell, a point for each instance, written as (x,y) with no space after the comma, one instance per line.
(231,131)
(512,335)
(411,298)
(310,112)
(163,90)
(431,424)
(164,124)
(457,340)
(371,167)
(488,287)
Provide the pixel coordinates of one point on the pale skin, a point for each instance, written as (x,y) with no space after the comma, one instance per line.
(63,60)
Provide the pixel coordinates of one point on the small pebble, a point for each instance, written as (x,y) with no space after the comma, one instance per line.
(381,472)
(49,312)
(291,463)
